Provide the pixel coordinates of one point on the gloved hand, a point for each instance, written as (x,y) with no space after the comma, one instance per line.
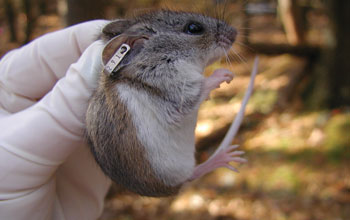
(46,168)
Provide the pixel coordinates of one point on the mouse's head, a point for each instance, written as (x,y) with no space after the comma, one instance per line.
(167,36)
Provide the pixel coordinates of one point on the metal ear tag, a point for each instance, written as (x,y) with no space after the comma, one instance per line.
(117,58)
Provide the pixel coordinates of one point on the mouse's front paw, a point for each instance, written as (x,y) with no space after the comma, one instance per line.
(214,81)
(219,76)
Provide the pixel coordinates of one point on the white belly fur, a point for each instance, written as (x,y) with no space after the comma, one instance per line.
(170,149)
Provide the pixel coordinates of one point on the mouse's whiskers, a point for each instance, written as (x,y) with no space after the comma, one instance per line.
(228,59)
(246,46)
(240,58)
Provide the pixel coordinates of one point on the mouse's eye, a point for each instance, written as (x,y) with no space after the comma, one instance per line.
(194,28)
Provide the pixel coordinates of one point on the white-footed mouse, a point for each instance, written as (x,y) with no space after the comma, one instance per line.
(141,119)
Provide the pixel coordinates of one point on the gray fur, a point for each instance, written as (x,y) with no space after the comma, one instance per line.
(166,73)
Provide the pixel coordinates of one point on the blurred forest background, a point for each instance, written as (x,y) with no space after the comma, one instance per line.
(297,127)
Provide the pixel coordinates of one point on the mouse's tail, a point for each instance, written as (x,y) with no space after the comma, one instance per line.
(231,133)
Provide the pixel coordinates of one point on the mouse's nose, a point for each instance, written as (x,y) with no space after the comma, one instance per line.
(231,34)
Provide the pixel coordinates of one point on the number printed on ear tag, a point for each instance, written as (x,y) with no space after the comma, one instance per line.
(117,58)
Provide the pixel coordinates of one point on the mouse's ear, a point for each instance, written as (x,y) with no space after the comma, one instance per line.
(136,45)
(115,28)
(120,51)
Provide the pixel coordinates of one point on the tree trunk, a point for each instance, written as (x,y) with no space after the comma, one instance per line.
(12,19)
(291,18)
(330,84)
(339,70)
(84,10)
(30,10)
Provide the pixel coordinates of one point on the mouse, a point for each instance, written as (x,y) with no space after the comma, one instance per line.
(141,119)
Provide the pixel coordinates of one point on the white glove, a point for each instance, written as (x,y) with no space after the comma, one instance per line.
(46,168)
